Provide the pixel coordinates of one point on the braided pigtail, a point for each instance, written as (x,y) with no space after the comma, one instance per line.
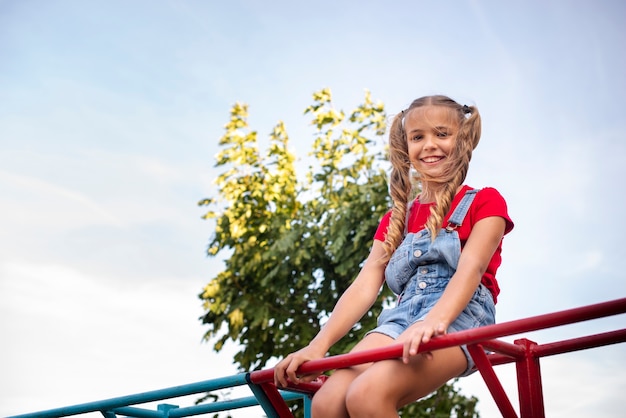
(400,185)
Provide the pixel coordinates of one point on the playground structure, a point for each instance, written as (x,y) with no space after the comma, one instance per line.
(524,353)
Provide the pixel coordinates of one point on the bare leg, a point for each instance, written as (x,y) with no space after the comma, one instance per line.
(386,386)
(330,399)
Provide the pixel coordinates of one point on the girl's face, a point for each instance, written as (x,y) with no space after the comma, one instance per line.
(431,135)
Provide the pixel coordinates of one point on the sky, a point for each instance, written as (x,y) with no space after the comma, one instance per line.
(110,117)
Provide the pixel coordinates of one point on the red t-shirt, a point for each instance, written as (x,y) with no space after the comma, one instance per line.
(488,202)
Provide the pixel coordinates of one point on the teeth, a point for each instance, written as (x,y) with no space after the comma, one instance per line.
(431,159)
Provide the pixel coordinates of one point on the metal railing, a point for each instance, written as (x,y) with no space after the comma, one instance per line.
(523,352)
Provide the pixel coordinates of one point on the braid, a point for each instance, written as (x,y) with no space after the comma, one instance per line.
(400,185)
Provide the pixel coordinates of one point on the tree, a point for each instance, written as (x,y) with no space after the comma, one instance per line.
(293,244)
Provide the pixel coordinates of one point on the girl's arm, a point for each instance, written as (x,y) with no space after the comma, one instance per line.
(475,257)
(350,308)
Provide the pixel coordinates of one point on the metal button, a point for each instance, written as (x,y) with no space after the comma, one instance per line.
(422,285)
(424,271)
(417,253)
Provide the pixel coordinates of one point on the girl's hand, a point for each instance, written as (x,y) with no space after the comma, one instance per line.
(420,332)
(287,367)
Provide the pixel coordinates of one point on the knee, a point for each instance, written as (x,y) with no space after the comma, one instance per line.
(363,400)
(328,403)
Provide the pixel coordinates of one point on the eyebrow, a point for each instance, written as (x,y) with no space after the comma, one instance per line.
(436,128)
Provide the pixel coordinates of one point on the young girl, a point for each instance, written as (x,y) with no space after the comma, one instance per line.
(439,253)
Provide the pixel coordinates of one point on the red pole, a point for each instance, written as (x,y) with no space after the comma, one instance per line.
(491,380)
(529,382)
(276,400)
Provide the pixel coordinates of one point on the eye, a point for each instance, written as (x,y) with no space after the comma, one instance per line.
(416,138)
(442,134)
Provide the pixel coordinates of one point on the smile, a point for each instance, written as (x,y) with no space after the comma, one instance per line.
(430,160)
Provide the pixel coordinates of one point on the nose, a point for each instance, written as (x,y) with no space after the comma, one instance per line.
(429,142)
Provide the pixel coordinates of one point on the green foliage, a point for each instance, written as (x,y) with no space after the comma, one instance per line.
(293,243)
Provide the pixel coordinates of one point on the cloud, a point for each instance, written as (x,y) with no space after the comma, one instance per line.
(42,193)
(94,338)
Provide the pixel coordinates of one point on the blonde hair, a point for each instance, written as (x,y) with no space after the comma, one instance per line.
(444,186)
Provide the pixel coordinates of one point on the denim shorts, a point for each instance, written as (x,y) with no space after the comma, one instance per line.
(419,297)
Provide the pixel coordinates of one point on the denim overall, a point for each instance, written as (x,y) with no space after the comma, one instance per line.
(419,271)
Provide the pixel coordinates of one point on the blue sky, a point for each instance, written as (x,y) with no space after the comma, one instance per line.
(110,114)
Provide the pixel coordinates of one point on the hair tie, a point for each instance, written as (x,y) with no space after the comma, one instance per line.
(466,109)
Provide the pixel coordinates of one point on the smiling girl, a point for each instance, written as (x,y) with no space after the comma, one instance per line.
(439,252)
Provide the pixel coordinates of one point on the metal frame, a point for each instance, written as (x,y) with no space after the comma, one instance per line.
(523,352)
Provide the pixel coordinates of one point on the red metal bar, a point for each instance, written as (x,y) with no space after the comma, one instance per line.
(502,347)
(308,388)
(525,353)
(470,336)
(533,323)
(491,380)
(336,362)
(529,382)
(499,359)
(582,343)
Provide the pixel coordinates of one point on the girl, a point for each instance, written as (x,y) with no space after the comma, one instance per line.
(439,253)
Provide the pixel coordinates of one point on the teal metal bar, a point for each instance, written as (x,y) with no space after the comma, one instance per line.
(112,404)
(307,407)
(129,411)
(264,401)
(122,406)
(225,405)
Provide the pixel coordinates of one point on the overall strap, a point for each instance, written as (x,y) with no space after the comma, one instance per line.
(456,219)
